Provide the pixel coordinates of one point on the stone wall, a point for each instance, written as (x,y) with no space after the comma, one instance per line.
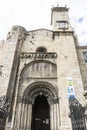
(83,65)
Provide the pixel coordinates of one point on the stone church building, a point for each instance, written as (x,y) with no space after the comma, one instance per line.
(43,77)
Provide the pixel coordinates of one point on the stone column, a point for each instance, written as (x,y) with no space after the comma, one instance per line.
(54,116)
(18,120)
(22,116)
(25,116)
(51,117)
(29,116)
(57,116)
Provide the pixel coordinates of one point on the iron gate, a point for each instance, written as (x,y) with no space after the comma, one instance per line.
(4,104)
(77,114)
(2,119)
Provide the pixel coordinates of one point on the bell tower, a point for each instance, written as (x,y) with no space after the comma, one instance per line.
(60,19)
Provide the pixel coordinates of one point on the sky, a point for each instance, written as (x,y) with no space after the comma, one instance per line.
(35,14)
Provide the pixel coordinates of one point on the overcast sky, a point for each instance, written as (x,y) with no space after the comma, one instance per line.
(35,14)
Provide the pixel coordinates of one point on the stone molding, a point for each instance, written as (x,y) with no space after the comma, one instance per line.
(33,62)
(40,88)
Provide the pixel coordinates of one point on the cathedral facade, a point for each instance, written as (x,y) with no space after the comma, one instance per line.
(43,77)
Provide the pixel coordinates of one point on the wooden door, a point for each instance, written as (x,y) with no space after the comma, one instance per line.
(41,114)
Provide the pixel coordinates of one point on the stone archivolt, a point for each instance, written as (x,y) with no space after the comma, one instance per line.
(41,88)
(24,106)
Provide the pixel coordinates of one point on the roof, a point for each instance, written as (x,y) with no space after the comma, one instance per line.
(58,9)
(41,29)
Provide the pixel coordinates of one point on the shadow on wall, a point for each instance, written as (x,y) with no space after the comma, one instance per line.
(77,114)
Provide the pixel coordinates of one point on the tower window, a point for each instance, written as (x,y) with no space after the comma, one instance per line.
(41,50)
(62,24)
(85,56)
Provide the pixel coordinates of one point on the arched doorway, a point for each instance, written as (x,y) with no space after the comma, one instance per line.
(40,114)
(39,103)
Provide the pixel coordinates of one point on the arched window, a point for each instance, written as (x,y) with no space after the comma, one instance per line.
(41,50)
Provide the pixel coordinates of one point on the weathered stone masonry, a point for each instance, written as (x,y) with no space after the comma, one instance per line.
(37,63)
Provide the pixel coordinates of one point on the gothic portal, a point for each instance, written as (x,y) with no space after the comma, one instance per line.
(43,77)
